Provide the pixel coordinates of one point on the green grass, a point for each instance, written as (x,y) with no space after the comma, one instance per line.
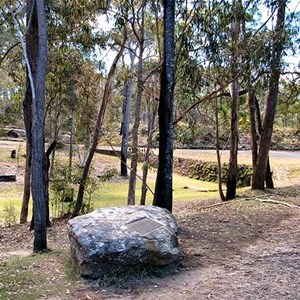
(18,278)
(35,276)
(6,148)
(185,189)
(114,193)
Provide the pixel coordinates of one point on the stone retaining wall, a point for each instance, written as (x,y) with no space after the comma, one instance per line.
(207,171)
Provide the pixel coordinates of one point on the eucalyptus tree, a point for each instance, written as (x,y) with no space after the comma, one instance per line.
(163,196)
(237,9)
(152,100)
(98,126)
(127,95)
(138,18)
(64,33)
(137,23)
(275,70)
(35,56)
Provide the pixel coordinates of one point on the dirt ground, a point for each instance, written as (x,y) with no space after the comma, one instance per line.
(243,249)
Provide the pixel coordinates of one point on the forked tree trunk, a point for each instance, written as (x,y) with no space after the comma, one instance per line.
(269,179)
(266,136)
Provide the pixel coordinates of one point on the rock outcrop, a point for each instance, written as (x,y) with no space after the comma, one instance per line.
(114,239)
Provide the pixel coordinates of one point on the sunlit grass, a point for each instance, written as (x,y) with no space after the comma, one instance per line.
(114,193)
(6,148)
(185,189)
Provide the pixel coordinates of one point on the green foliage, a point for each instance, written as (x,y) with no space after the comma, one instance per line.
(62,187)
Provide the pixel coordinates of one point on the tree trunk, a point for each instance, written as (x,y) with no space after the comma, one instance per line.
(232,167)
(254,149)
(278,41)
(221,193)
(27,115)
(98,126)
(151,122)
(234,92)
(39,187)
(164,182)
(137,116)
(126,118)
(71,145)
(269,179)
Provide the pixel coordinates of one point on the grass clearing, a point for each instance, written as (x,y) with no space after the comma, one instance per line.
(114,192)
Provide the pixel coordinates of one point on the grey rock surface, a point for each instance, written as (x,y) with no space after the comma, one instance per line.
(113,239)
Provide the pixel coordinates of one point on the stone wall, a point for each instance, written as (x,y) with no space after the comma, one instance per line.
(207,171)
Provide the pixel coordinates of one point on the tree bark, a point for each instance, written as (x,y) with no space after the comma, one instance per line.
(278,41)
(269,179)
(27,115)
(126,118)
(137,115)
(164,182)
(234,92)
(151,122)
(221,193)
(39,187)
(98,126)
(254,149)
(232,166)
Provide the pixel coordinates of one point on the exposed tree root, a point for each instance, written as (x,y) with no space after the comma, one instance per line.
(273,201)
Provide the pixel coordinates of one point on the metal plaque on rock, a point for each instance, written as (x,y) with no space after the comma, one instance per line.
(144,225)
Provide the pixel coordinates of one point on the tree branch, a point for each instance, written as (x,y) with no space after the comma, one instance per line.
(20,36)
(8,50)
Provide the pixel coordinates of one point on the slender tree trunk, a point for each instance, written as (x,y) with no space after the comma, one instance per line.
(234,91)
(137,117)
(266,136)
(164,182)
(71,145)
(251,105)
(98,126)
(232,167)
(151,122)
(27,114)
(126,118)
(221,193)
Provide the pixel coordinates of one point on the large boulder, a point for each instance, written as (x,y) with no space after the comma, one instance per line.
(114,239)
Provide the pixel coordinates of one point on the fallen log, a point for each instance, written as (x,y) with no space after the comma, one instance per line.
(7,178)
